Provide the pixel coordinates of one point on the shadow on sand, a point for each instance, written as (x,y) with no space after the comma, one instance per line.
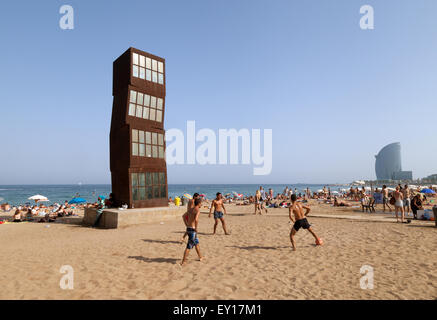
(161,241)
(160,260)
(257,247)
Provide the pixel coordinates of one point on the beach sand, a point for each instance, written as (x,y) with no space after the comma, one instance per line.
(254,262)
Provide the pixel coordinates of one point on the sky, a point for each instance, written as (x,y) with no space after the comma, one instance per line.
(332,93)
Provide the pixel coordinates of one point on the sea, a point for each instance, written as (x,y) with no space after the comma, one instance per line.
(19,194)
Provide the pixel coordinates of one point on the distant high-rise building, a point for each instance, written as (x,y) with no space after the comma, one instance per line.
(388,165)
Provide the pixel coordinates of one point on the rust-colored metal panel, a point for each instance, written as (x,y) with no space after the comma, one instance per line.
(138,73)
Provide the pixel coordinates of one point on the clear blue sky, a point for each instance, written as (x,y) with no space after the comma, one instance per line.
(332,93)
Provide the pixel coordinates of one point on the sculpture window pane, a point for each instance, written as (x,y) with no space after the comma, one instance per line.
(134,149)
(146,113)
(139,111)
(132,109)
(134,135)
(152,114)
(159,116)
(142,150)
(133,96)
(140,97)
(147,100)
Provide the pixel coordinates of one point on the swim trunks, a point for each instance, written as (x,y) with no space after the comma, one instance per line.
(218,214)
(399,203)
(302,223)
(192,238)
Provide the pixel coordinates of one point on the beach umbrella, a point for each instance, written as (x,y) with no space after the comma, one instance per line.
(39,198)
(77,200)
(428,191)
(188,196)
(102,197)
(320,191)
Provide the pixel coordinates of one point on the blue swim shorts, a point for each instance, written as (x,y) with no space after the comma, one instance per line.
(218,214)
(192,238)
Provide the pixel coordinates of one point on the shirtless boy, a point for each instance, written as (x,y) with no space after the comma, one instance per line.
(193,242)
(219,208)
(185,215)
(385,200)
(301,222)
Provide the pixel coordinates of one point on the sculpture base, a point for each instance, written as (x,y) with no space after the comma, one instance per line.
(116,218)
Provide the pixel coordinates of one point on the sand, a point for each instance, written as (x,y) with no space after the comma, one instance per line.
(254,262)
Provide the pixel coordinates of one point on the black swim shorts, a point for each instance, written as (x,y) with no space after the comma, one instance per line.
(302,223)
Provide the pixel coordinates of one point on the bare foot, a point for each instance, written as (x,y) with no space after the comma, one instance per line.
(294,249)
(201,258)
(183,263)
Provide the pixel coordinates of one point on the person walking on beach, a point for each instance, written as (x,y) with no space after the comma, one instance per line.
(399,204)
(190,205)
(300,220)
(385,200)
(258,202)
(219,209)
(263,199)
(193,242)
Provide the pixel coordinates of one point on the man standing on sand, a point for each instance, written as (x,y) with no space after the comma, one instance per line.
(263,199)
(399,204)
(193,218)
(301,221)
(219,208)
(190,205)
(385,200)
(406,192)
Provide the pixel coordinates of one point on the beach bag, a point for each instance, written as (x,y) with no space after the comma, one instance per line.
(392,201)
